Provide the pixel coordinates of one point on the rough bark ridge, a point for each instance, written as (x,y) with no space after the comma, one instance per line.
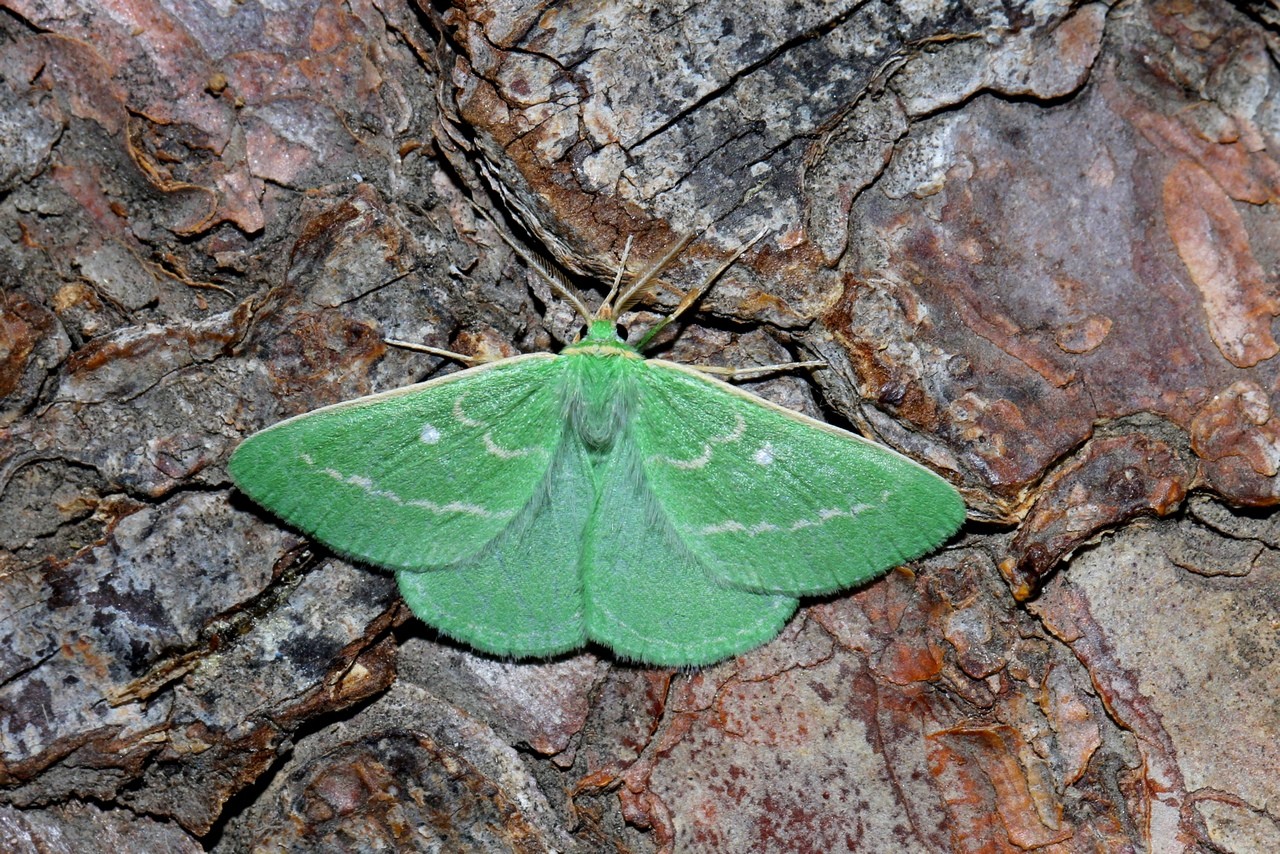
(1036,242)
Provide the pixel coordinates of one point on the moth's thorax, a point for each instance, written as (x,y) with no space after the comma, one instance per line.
(601,387)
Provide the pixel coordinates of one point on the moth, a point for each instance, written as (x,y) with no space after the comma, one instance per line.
(531,505)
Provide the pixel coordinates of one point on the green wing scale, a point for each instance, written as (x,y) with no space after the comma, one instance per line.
(772,500)
(593,558)
(415,478)
(522,594)
(647,596)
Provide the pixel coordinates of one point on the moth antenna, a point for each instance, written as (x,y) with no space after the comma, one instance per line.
(556,279)
(622,268)
(435,351)
(695,294)
(641,284)
(559,285)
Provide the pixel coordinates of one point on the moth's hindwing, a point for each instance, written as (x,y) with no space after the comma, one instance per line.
(521,595)
(647,596)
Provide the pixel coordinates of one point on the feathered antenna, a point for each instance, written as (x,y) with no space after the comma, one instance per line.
(641,285)
(696,293)
(553,277)
(622,268)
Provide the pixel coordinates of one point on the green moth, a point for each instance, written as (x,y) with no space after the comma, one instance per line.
(533,504)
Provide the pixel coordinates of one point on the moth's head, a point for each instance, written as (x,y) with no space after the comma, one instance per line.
(602,329)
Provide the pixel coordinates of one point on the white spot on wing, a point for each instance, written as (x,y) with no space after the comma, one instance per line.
(430,434)
(764,454)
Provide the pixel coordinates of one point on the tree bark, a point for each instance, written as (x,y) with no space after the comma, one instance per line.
(1035,243)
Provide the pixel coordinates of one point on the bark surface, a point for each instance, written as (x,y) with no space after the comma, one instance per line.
(1036,243)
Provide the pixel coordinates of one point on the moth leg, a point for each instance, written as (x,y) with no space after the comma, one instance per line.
(469,361)
(738,373)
